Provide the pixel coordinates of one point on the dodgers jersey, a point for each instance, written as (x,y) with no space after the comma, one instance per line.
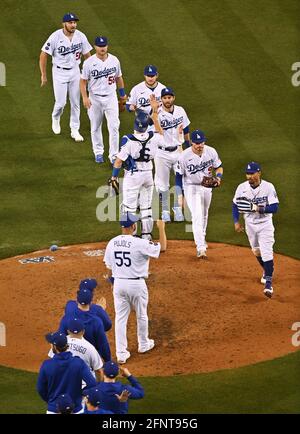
(85,350)
(140,95)
(66,53)
(263,194)
(193,167)
(141,147)
(128,256)
(101,75)
(170,123)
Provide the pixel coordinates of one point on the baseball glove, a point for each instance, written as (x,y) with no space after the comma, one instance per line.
(210,182)
(114,184)
(122,104)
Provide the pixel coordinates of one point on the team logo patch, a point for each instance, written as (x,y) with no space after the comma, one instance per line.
(94,252)
(39,260)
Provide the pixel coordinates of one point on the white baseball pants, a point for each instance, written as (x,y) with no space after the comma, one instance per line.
(164,162)
(138,190)
(104,106)
(67,82)
(261,236)
(194,196)
(130,295)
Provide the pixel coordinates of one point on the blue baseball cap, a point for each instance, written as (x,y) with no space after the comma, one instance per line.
(111,369)
(127,219)
(84,297)
(89,284)
(141,122)
(70,17)
(75,325)
(93,395)
(150,70)
(198,136)
(65,404)
(252,167)
(101,41)
(57,338)
(167,91)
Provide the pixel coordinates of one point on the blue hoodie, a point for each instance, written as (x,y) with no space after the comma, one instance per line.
(63,374)
(94,309)
(94,331)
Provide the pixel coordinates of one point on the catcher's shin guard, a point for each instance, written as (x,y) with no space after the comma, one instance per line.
(146,223)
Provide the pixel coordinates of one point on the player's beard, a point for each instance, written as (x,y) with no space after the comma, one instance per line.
(70,29)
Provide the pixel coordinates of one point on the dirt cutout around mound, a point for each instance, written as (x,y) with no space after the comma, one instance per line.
(204,315)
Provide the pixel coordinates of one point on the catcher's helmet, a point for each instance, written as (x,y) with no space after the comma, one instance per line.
(141,122)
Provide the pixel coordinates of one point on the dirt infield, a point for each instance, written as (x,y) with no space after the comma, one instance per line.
(204,315)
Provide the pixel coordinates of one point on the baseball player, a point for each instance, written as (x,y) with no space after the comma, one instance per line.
(139,97)
(63,374)
(102,73)
(195,163)
(64,404)
(66,47)
(128,259)
(257,200)
(93,399)
(138,150)
(175,126)
(81,347)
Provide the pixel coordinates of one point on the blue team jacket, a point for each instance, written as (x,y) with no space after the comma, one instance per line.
(94,309)
(63,374)
(109,390)
(94,331)
(99,411)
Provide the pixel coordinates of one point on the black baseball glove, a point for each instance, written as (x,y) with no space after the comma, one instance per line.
(114,184)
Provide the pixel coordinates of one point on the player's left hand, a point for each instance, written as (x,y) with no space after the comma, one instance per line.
(122,103)
(124,396)
(44,81)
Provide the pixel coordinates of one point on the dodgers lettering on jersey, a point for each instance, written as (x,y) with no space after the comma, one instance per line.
(142,147)
(170,123)
(140,95)
(128,256)
(101,75)
(193,167)
(66,53)
(264,194)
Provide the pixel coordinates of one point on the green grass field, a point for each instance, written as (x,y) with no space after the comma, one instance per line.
(230,66)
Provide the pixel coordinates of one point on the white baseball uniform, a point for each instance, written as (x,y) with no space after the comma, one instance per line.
(86,351)
(138,182)
(259,227)
(193,167)
(101,76)
(128,258)
(167,157)
(140,97)
(66,56)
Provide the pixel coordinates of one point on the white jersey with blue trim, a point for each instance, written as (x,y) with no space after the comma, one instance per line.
(101,74)
(142,147)
(193,167)
(264,194)
(170,123)
(140,95)
(66,53)
(128,256)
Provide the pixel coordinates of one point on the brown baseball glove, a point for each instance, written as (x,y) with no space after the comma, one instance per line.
(122,103)
(210,181)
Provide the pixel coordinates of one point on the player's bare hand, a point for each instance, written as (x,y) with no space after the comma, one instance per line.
(102,302)
(238,227)
(87,103)
(124,372)
(124,396)
(43,81)
(160,224)
(154,103)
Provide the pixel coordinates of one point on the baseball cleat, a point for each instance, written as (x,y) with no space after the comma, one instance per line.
(76,136)
(268,292)
(201,254)
(178,214)
(99,158)
(263,280)
(151,345)
(123,359)
(56,125)
(165,216)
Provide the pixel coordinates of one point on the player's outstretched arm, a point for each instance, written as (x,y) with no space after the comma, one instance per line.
(162,235)
(43,68)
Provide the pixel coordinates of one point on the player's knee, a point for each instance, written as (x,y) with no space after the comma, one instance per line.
(256,251)
(267,257)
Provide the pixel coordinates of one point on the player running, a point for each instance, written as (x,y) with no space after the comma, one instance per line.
(66,47)
(257,200)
